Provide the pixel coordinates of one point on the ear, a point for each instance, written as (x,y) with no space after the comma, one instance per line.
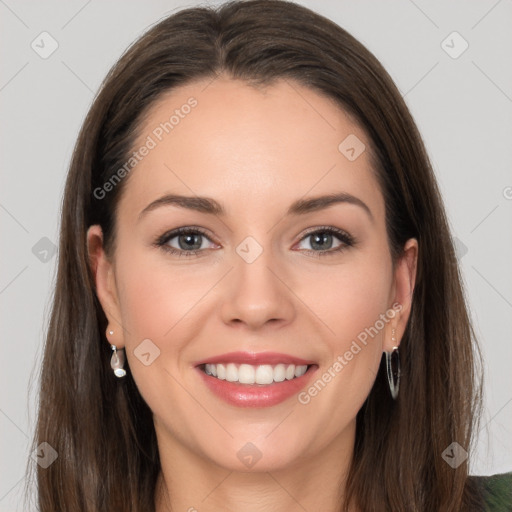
(404,281)
(106,288)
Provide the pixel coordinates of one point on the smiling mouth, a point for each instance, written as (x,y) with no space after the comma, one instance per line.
(263,375)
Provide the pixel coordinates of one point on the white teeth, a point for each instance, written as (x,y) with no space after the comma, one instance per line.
(279,373)
(249,374)
(231,373)
(246,374)
(212,369)
(290,372)
(300,370)
(221,371)
(264,374)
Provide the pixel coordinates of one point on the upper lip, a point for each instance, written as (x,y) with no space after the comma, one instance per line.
(255,358)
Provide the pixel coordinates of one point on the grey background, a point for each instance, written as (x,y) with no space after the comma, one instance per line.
(462,106)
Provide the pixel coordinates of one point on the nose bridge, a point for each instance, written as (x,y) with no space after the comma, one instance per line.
(256,296)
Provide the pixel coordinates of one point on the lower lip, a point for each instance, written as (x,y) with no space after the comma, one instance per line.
(256,395)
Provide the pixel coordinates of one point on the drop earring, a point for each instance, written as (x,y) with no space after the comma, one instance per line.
(117,360)
(393,368)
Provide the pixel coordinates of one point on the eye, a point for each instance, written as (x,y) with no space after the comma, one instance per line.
(186,241)
(191,241)
(326,240)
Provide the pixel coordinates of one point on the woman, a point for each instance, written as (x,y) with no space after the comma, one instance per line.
(258,305)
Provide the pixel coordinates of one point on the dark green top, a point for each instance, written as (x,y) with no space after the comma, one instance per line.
(496,491)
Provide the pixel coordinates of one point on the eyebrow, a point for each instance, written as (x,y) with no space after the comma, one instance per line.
(211,206)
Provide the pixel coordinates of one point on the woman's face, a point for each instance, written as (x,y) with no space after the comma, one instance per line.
(283,253)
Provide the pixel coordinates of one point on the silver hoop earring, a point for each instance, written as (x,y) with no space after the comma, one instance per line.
(393,371)
(117,361)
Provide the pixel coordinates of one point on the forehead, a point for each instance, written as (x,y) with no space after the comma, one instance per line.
(228,140)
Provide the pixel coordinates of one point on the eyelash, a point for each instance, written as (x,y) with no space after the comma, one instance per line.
(346,239)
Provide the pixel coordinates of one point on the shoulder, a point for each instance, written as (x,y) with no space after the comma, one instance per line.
(496,491)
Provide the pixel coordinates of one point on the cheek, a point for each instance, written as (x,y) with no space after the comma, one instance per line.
(352,297)
(161,305)
(352,302)
(154,297)
(147,301)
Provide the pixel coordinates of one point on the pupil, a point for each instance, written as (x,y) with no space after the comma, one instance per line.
(190,241)
(321,241)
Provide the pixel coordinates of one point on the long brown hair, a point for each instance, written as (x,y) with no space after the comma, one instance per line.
(101,427)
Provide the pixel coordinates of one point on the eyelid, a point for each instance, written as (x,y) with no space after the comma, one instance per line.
(321,227)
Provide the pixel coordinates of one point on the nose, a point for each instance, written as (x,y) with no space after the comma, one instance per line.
(257,295)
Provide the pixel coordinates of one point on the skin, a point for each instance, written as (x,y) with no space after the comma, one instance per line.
(255,151)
